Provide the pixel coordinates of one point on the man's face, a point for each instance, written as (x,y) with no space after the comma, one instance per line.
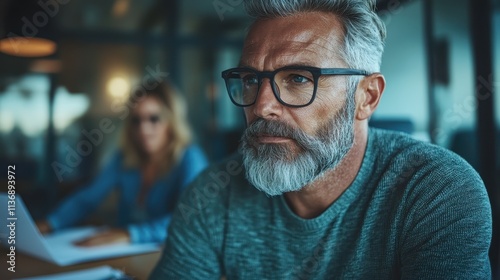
(311,39)
(286,148)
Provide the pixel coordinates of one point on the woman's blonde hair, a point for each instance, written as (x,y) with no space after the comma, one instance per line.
(178,131)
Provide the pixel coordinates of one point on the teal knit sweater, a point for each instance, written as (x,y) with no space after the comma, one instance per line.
(414,211)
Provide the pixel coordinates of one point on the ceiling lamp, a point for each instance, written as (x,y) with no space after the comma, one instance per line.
(28,27)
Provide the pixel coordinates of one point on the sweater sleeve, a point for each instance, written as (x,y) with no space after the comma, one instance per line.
(448,226)
(190,251)
(77,206)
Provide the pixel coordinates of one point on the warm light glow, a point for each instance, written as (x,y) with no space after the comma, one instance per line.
(46,66)
(118,87)
(120,8)
(27,47)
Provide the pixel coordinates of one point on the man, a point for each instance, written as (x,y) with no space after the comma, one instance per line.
(316,194)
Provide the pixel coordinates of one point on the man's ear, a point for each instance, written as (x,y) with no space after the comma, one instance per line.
(368,95)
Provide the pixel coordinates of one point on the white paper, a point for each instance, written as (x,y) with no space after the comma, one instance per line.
(98,273)
(64,252)
(58,247)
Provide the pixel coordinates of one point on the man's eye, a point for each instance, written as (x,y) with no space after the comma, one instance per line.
(299,79)
(250,80)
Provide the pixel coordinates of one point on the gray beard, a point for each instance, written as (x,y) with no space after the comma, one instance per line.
(276,169)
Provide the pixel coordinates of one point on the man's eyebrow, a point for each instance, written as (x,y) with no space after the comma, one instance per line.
(241,65)
(298,64)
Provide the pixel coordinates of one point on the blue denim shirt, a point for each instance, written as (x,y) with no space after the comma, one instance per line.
(159,202)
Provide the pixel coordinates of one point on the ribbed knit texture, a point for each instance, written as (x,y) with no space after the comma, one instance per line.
(414,211)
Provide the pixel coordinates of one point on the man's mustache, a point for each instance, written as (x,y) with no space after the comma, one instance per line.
(262,127)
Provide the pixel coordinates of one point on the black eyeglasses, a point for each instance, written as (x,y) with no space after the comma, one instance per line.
(293,86)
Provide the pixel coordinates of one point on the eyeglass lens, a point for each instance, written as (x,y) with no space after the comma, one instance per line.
(292,86)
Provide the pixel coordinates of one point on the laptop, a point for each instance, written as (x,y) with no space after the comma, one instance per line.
(57,247)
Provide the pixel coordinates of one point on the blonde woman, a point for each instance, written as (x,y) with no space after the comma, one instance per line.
(154,165)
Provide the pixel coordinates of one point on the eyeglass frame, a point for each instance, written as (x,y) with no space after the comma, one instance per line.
(315,71)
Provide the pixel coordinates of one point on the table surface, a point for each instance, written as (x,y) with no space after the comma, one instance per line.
(138,266)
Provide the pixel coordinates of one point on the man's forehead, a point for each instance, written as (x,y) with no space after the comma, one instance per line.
(291,54)
(307,34)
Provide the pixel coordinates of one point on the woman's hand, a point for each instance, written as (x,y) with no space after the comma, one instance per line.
(43,226)
(110,236)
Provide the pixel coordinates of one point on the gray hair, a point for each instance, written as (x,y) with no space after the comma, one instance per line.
(364,30)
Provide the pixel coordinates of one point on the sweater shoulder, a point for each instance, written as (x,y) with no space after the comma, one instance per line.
(422,172)
(401,152)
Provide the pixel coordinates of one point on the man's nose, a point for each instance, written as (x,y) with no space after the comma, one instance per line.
(267,105)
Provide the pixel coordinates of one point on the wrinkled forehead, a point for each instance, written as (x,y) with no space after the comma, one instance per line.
(307,36)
